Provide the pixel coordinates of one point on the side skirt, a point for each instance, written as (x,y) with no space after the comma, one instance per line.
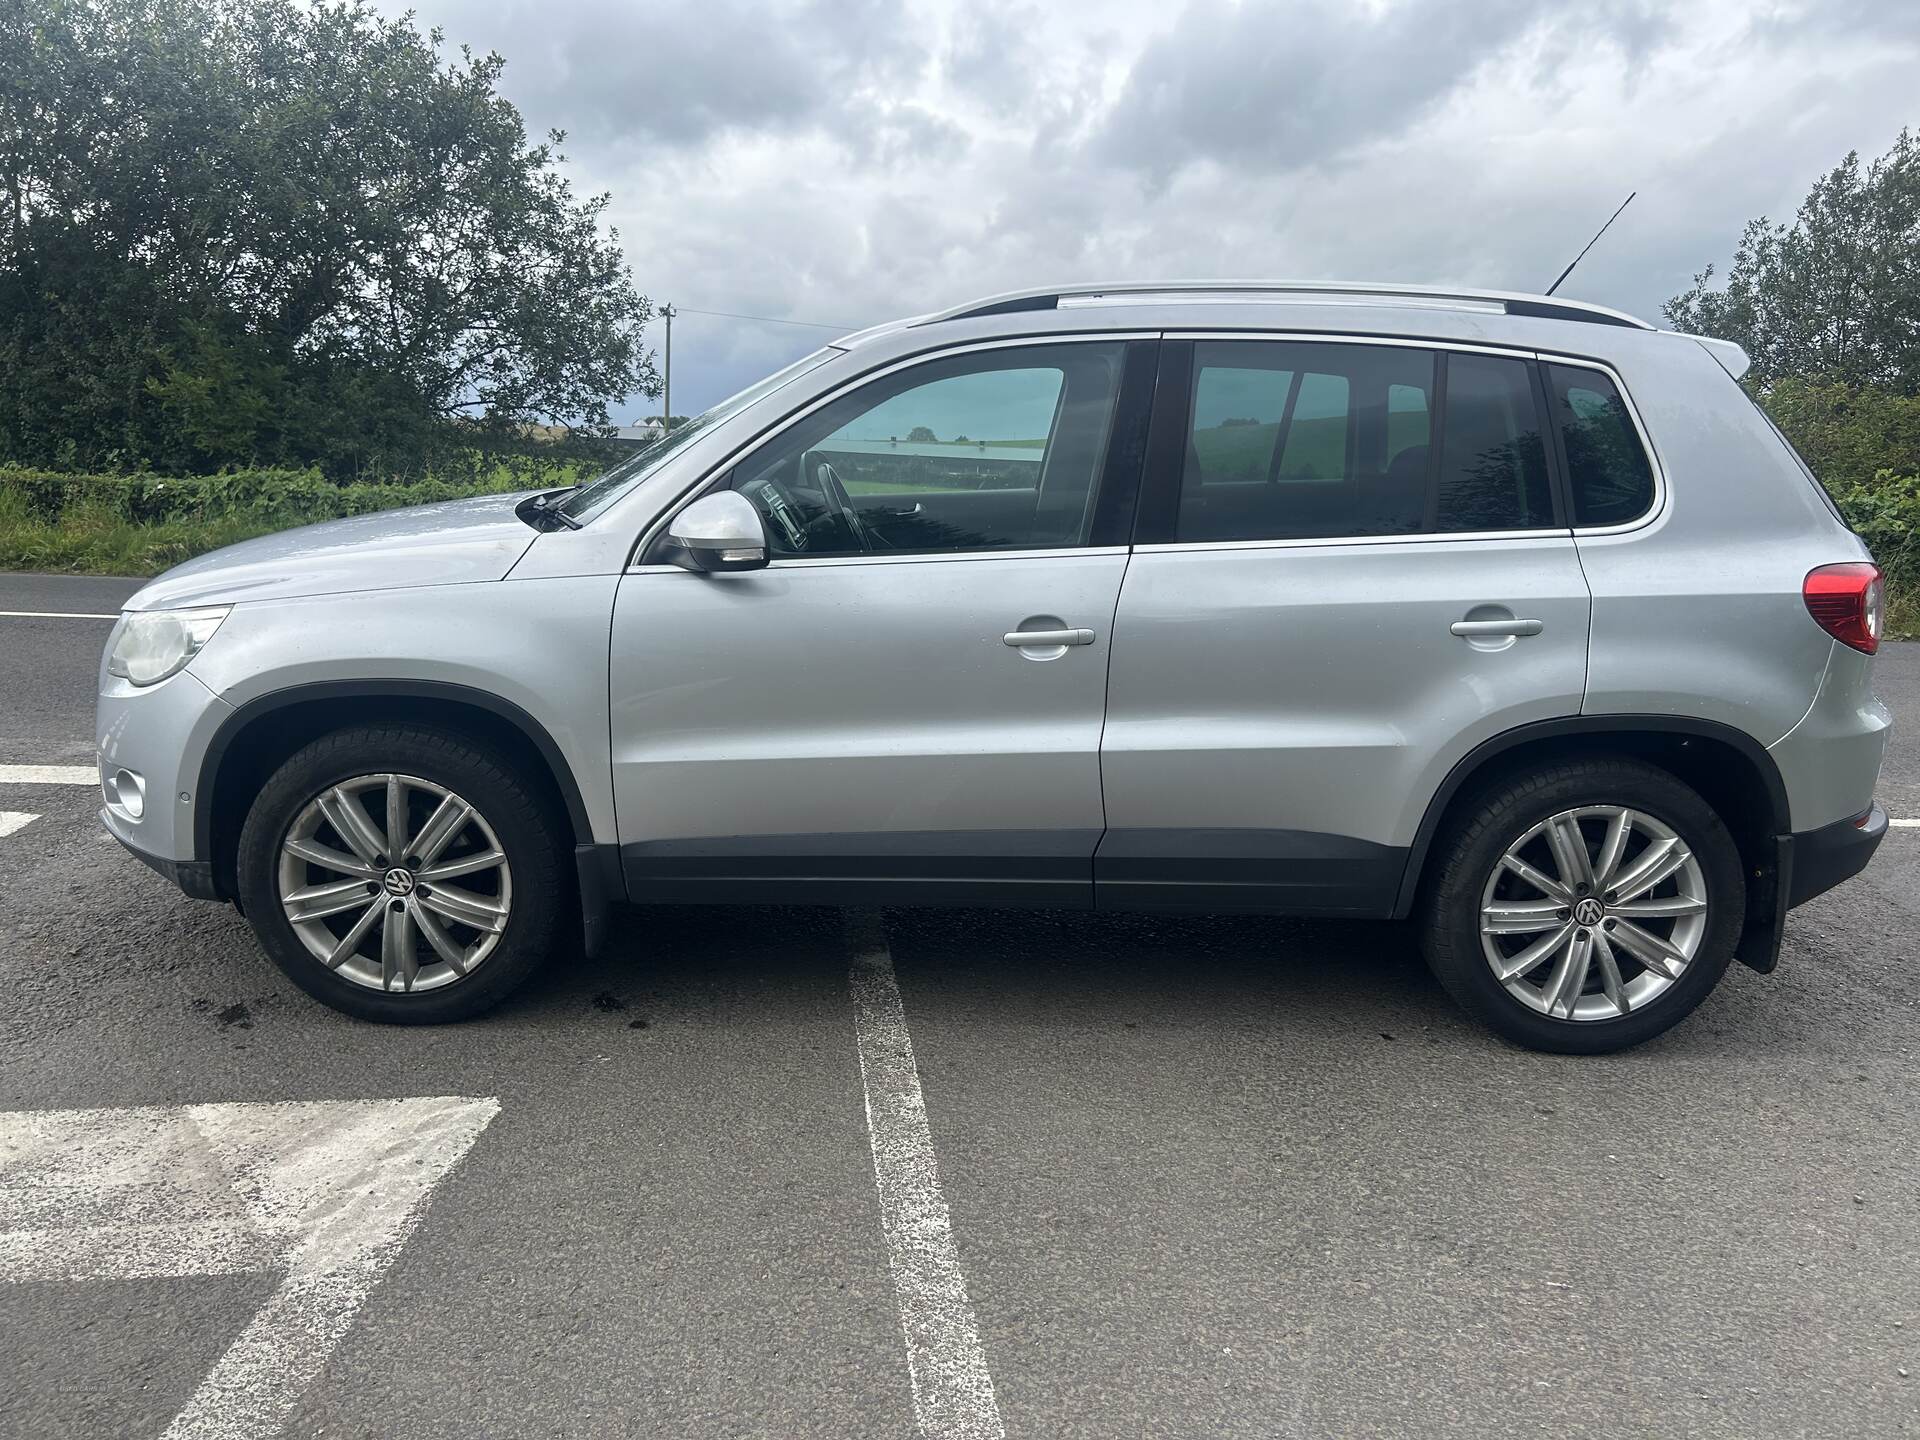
(1277,872)
(1019,868)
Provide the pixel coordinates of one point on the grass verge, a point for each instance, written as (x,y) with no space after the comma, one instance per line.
(140,525)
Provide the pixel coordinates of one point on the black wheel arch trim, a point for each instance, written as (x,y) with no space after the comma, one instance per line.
(597,878)
(1488,750)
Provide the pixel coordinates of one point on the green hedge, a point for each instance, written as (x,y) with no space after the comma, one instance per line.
(142,524)
(1886,513)
(280,497)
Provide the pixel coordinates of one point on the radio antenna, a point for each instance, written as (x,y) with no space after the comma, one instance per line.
(1591,243)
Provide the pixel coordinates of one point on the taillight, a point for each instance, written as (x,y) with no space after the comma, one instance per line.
(1846,602)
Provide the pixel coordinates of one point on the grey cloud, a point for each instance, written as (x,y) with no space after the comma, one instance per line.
(850,162)
(897,136)
(990,54)
(683,73)
(1278,90)
(1815,19)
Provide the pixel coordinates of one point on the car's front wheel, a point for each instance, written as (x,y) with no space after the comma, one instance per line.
(402,873)
(1584,908)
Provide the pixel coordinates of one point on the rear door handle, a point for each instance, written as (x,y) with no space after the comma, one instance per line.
(1471,628)
(1026,639)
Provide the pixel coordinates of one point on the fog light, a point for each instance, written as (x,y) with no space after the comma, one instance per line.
(128,791)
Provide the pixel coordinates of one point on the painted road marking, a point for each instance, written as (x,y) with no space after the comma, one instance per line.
(325,1192)
(49,775)
(1905,824)
(54,615)
(952,1390)
(12,822)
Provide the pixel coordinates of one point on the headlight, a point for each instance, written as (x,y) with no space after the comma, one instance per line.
(149,645)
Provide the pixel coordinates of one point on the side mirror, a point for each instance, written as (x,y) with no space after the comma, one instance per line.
(717,533)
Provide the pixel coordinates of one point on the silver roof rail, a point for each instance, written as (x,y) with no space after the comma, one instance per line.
(1051,297)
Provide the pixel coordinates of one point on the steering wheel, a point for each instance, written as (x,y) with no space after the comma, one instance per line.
(835,494)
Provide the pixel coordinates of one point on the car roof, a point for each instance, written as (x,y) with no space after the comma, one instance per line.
(1354,307)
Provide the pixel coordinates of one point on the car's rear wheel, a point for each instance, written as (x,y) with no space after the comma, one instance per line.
(1584,908)
(402,873)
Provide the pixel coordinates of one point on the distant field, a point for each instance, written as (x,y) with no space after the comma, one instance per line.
(1316,450)
(877,468)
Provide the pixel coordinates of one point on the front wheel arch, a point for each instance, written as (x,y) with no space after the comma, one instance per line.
(261,734)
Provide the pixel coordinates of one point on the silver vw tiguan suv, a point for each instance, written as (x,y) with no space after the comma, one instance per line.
(1511,615)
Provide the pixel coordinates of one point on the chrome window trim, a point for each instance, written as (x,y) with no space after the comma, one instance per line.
(1315,542)
(943,557)
(1653,513)
(719,469)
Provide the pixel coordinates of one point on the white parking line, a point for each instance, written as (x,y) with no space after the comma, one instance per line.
(12,822)
(49,775)
(1905,824)
(952,1391)
(54,615)
(326,1192)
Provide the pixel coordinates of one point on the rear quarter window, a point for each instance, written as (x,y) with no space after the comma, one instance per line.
(1608,473)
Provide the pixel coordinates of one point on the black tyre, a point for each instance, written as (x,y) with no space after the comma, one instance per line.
(1584,908)
(447,928)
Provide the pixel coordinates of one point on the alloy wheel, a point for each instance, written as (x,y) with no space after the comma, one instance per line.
(1593,913)
(395,883)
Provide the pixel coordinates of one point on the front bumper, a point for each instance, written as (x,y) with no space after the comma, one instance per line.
(193,876)
(1823,858)
(152,743)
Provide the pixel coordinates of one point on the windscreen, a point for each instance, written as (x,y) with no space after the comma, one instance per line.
(596,495)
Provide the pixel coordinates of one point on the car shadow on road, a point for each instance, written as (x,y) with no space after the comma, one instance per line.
(1205,968)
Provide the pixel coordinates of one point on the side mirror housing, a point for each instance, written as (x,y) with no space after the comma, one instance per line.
(716,534)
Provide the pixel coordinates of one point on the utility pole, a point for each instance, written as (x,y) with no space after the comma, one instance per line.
(666,384)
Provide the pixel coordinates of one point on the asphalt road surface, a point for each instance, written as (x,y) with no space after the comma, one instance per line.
(1234,1177)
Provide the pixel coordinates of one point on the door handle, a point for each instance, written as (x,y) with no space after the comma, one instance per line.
(1026,639)
(1473,628)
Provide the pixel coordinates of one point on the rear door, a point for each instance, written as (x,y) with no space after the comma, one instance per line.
(861,721)
(1352,566)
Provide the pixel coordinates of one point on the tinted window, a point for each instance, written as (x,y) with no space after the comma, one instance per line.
(1295,439)
(997,449)
(1493,460)
(1607,470)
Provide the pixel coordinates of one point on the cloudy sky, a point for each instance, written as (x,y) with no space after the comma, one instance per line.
(847,161)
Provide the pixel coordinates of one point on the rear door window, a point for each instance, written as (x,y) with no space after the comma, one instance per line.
(1493,464)
(1291,440)
(1608,473)
(1317,439)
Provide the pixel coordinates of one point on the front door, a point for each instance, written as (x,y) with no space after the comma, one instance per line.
(1354,568)
(861,721)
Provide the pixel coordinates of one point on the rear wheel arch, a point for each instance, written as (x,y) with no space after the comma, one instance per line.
(260,735)
(1730,769)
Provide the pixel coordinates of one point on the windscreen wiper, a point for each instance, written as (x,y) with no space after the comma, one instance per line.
(539,510)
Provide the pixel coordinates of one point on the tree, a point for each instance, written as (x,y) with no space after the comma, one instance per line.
(1837,293)
(921,435)
(237,231)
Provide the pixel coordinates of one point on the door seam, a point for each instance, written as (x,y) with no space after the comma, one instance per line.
(1106,709)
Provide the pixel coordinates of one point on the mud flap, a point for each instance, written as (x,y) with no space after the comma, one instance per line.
(1768,890)
(601,888)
